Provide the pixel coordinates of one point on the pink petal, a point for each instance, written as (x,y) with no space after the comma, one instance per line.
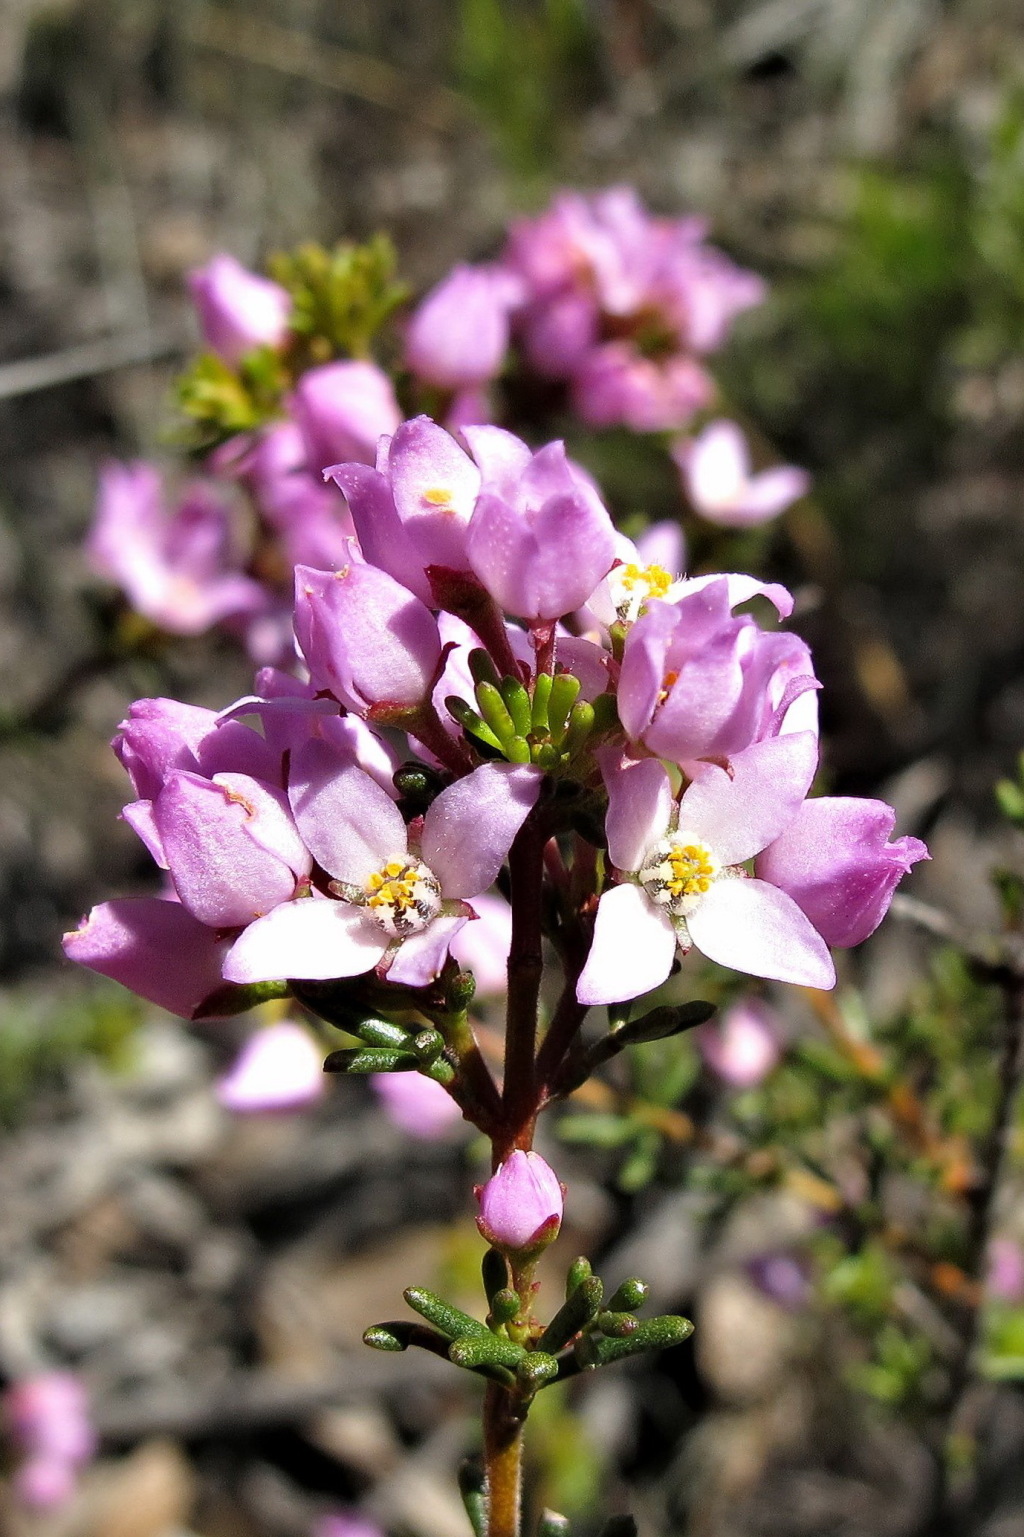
(764,497)
(425,460)
(750,926)
(313,938)
(422,955)
(639,807)
(482,946)
(740,813)
(154,947)
(742,588)
(502,457)
(351,826)
(634,946)
(416,1105)
(470,827)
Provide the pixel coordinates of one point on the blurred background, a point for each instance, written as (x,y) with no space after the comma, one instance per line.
(210,1276)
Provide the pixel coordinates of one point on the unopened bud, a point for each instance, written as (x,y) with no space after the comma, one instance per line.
(521,1205)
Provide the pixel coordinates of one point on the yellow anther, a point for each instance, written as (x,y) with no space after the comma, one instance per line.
(655,579)
(438,496)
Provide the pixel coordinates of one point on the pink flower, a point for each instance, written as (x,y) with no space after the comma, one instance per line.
(310,519)
(279,1068)
(697,682)
(155,947)
(458,334)
(835,861)
(539,539)
(345,1525)
(177,570)
(715,467)
(616,385)
(396,901)
(742,1046)
(365,637)
(417,1105)
(684,878)
(343,410)
(48,1417)
(521,1205)
(239,310)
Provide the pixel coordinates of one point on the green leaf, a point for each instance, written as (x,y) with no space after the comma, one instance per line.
(551,1524)
(486,1349)
(370,1059)
(473,1489)
(398,1334)
(238,998)
(578,1310)
(494,1269)
(652,1334)
(629,1296)
(342,298)
(536,1370)
(451,1321)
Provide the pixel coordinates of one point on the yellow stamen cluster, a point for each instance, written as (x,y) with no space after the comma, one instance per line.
(634,585)
(678,872)
(403,896)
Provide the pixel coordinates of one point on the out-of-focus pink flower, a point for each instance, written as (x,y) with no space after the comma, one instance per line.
(343,410)
(417,1105)
(345,1524)
(1004,1277)
(782,1277)
(176,569)
(458,335)
(155,947)
(615,385)
(835,861)
(716,472)
(742,1046)
(278,1068)
(239,310)
(310,518)
(521,1205)
(48,1418)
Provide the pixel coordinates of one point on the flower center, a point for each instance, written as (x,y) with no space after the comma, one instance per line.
(677,872)
(403,896)
(633,585)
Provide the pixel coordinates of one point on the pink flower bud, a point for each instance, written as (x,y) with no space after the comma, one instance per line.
(521,1205)
(239,310)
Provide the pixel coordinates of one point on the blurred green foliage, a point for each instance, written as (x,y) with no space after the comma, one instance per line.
(528,66)
(41,1035)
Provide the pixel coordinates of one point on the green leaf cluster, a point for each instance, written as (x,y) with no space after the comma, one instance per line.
(342,297)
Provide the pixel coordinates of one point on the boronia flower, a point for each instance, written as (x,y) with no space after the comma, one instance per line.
(395,899)
(683,876)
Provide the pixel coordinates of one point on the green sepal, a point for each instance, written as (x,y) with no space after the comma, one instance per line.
(494,1270)
(578,1272)
(452,1321)
(651,1334)
(565,687)
(473,1490)
(505,1306)
(617,1325)
(632,1294)
(495,712)
(239,998)
(398,1334)
(551,1524)
(517,750)
(606,714)
(541,700)
(660,1023)
(482,668)
(370,1059)
(547,757)
(536,1370)
(518,704)
(475,1350)
(579,729)
(577,1311)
